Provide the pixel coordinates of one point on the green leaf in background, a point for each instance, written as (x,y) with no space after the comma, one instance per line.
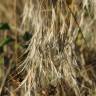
(27,36)
(4,26)
(7,40)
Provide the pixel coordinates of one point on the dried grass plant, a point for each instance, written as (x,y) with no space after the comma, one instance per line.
(63,33)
